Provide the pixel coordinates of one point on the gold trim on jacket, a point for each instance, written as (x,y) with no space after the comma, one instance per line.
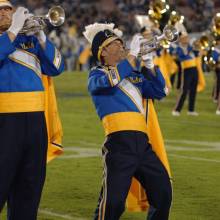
(124,121)
(21,102)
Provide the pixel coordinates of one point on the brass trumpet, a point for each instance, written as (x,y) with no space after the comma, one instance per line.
(209,60)
(205,42)
(55,16)
(170,34)
(175,17)
(208,42)
(216,25)
(157,9)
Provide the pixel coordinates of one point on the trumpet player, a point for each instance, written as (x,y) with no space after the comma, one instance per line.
(117,90)
(187,58)
(23,131)
(150,29)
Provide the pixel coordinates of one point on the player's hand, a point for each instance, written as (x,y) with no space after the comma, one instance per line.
(32,26)
(148,60)
(35,29)
(135,45)
(41,36)
(18,20)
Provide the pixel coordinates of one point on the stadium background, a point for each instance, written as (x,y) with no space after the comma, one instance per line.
(193,143)
(68,38)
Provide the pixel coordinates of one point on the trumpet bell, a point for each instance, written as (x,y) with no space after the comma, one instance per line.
(157,9)
(216,25)
(56,16)
(216,31)
(209,61)
(204,42)
(175,17)
(171,33)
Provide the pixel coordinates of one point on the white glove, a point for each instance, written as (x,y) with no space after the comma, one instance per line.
(135,45)
(18,20)
(33,25)
(148,60)
(41,36)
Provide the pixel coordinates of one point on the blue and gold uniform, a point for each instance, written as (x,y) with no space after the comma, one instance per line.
(216,58)
(23,130)
(22,64)
(187,58)
(118,94)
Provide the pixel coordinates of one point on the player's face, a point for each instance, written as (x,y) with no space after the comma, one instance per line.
(116,49)
(184,39)
(114,52)
(147,34)
(5,18)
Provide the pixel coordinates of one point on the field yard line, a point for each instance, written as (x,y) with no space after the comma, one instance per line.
(88,152)
(204,143)
(193,158)
(90,143)
(197,149)
(81,152)
(168,121)
(54,214)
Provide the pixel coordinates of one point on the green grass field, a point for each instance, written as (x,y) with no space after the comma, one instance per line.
(193,146)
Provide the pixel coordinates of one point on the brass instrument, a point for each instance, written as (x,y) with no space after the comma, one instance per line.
(175,17)
(216,25)
(209,60)
(206,45)
(205,42)
(157,9)
(170,34)
(55,16)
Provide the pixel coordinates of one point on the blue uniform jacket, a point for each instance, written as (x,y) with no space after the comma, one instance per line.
(118,95)
(22,64)
(186,56)
(216,55)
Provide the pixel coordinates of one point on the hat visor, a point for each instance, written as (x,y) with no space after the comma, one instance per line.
(105,43)
(5,4)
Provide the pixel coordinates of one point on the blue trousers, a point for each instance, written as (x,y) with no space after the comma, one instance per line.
(23,152)
(128,154)
(190,82)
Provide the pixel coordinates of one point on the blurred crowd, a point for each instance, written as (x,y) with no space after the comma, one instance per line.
(79,13)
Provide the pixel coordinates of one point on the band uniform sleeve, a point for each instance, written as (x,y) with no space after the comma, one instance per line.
(100,79)
(215,56)
(178,52)
(173,50)
(6,46)
(52,62)
(154,86)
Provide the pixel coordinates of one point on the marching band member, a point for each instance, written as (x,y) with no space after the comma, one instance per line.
(23,131)
(117,90)
(175,19)
(187,57)
(148,30)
